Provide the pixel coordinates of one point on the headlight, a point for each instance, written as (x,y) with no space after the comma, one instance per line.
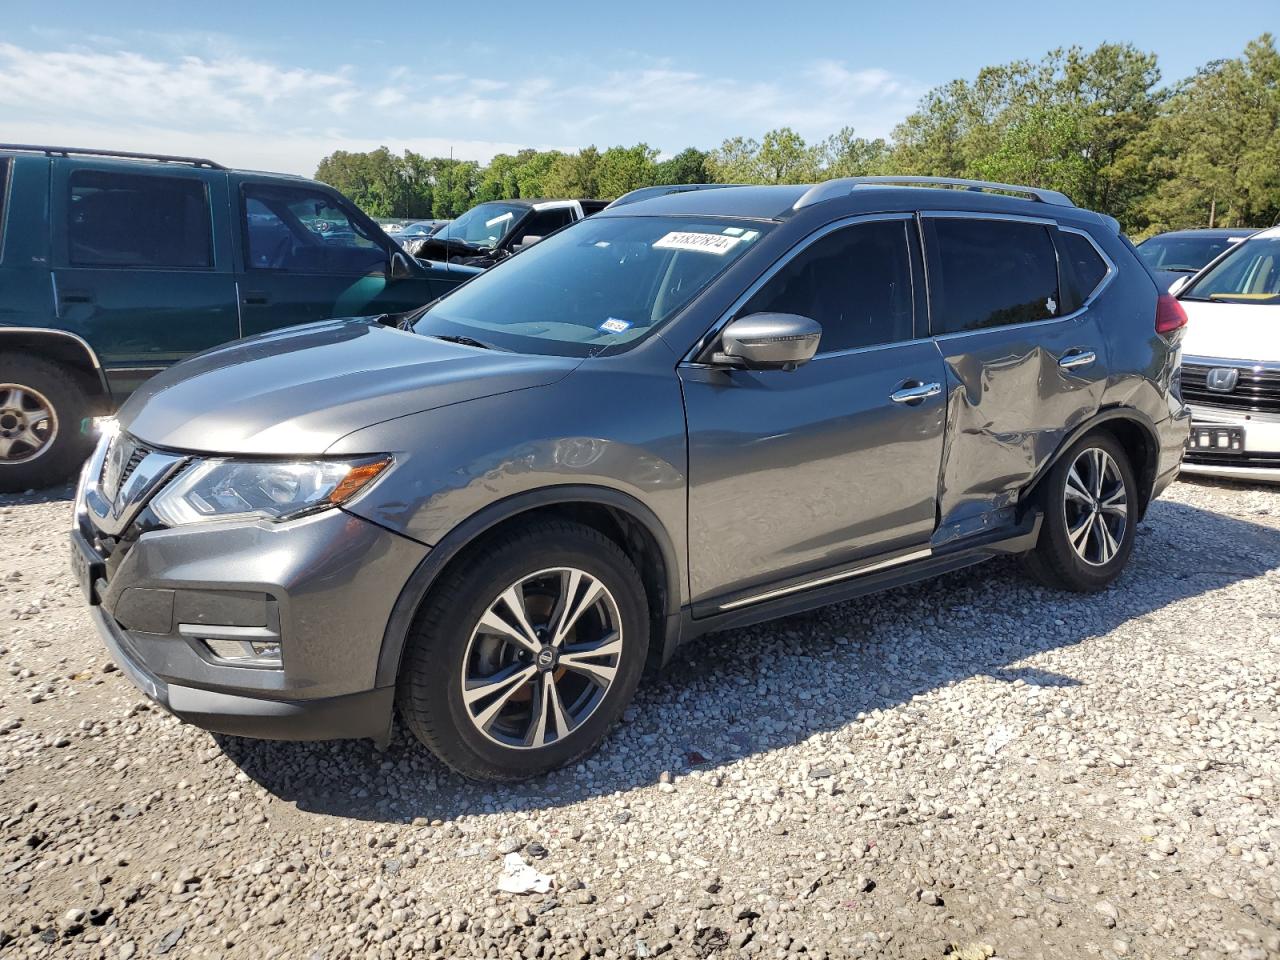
(273,490)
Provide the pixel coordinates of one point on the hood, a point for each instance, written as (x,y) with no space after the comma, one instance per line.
(1231,331)
(297,391)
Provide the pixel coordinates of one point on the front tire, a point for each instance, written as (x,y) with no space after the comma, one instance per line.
(1090,503)
(43,411)
(526,652)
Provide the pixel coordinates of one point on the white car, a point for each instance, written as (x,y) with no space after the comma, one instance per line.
(1231,362)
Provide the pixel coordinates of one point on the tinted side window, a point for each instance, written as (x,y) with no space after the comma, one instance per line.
(135,220)
(856,282)
(297,230)
(1081,266)
(989,273)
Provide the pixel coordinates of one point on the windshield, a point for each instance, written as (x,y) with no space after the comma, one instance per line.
(598,284)
(1182,254)
(485,225)
(1249,274)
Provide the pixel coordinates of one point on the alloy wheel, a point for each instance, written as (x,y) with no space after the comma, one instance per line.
(28,423)
(542,658)
(1096,507)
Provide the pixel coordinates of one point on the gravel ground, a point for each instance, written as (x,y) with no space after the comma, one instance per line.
(969,767)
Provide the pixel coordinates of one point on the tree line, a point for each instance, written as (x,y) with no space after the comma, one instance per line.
(1098,125)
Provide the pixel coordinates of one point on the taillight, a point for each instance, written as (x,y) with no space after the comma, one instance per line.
(1169,314)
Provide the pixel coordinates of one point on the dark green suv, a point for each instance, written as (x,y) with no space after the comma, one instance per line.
(114,266)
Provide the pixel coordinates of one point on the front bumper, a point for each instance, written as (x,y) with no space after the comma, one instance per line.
(322,587)
(351,716)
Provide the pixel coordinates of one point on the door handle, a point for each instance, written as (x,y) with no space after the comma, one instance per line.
(76,296)
(254,299)
(914,392)
(1077,358)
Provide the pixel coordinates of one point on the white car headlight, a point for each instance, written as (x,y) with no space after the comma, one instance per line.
(268,489)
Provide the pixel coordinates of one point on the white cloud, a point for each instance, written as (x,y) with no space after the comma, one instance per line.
(213,100)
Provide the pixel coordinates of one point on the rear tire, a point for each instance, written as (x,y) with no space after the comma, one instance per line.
(44,429)
(1090,504)
(474,687)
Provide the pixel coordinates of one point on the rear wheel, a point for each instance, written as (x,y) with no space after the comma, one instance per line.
(44,433)
(1090,516)
(526,653)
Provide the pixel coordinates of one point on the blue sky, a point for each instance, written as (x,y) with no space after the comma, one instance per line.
(277,86)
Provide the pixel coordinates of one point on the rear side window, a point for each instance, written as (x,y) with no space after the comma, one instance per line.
(1083,270)
(990,273)
(856,282)
(297,230)
(136,220)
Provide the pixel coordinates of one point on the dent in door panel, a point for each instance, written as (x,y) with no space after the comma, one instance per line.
(1008,410)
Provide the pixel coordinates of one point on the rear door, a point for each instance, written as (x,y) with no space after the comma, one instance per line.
(141,263)
(1024,356)
(307,255)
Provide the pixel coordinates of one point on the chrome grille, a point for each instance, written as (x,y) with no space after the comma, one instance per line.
(1256,391)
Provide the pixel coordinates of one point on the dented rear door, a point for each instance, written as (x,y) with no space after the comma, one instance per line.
(1024,365)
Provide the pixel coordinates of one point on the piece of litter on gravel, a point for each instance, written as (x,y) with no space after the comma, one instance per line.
(518,877)
(1000,738)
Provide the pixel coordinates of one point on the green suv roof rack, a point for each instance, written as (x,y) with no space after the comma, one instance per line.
(122,154)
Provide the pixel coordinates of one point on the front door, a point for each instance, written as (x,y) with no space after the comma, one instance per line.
(793,472)
(1025,359)
(142,264)
(307,256)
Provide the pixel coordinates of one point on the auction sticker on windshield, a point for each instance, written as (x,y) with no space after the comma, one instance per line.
(705,242)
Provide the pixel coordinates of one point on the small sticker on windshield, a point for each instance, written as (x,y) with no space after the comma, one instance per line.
(614,325)
(716,243)
(733,231)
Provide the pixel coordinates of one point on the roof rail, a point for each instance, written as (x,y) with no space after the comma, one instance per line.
(662,190)
(123,154)
(842,187)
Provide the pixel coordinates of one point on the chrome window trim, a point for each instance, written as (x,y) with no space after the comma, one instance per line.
(722,321)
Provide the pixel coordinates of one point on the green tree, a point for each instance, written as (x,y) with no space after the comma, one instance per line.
(1214,150)
(573,174)
(372,180)
(687,166)
(735,161)
(621,169)
(784,157)
(844,154)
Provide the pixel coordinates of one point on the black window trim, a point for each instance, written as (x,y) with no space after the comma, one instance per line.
(713,332)
(148,175)
(1047,222)
(341,202)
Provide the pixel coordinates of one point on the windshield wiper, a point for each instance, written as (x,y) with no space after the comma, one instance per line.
(464,341)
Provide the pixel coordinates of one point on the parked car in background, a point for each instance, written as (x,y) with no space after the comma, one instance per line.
(1178,254)
(1231,367)
(490,232)
(418,230)
(684,414)
(113,266)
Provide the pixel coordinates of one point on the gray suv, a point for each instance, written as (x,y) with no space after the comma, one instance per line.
(683,414)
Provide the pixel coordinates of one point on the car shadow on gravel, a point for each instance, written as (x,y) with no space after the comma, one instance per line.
(750,691)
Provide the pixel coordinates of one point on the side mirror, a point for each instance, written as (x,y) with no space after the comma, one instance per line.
(1179,284)
(527,241)
(768,341)
(399,268)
